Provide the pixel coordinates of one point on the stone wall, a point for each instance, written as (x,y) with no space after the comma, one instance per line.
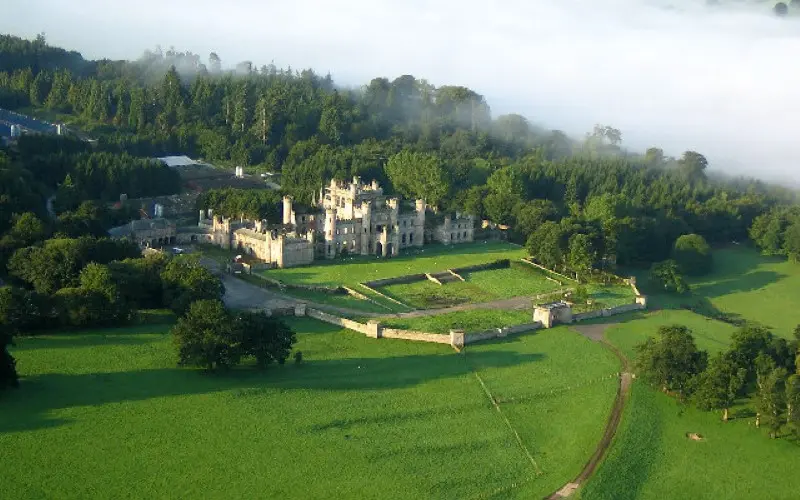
(400,280)
(494,333)
(336,320)
(534,264)
(392,333)
(498,264)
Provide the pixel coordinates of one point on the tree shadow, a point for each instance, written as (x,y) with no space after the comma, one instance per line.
(746,282)
(129,336)
(28,407)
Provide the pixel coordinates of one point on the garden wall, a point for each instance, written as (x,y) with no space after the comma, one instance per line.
(498,264)
(494,333)
(336,320)
(400,280)
(392,333)
(610,311)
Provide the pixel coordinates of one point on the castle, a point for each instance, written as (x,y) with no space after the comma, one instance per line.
(346,219)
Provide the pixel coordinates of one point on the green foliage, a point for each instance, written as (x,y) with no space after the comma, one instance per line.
(59,261)
(206,337)
(770,399)
(252,203)
(666,276)
(268,340)
(717,387)
(186,281)
(8,365)
(693,255)
(671,360)
(418,175)
(792,398)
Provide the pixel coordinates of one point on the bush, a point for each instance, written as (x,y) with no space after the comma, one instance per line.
(693,255)
(298,357)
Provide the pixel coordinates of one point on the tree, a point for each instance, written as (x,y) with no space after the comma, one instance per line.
(781,9)
(693,255)
(793,404)
(186,281)
(667,276)
(505,194)
(265,338)
(546,245)
(671,360)
(770,399)
(205,336)
(581,256)
(418,175)
(693,165)
(8,365)
(718,385)
(791,241)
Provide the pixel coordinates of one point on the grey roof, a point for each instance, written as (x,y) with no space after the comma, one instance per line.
(554,305)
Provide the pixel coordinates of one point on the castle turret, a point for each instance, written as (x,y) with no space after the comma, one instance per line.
(419,224)
(330,233)
(287,210)
(366,227)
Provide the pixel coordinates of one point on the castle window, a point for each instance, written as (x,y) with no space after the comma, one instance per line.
(404,238)
(410,238)
(404,223)
(465,235)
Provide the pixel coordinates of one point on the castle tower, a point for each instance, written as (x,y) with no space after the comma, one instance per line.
(287,210)
(366,227)
(330,233)
(419,223)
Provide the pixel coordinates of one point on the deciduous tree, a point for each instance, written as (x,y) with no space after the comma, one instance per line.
(206,337)
(671,360)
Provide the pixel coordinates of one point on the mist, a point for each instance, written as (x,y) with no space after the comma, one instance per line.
(680,75)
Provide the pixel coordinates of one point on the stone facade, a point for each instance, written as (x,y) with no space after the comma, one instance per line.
(552,314)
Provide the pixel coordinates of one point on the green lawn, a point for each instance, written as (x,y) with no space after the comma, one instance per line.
(710,335)
(433,258)
(470,321)
(652,458)
(479,286)
(747,284)
(107,414)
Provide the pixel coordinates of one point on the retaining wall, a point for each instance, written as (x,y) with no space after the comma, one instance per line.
(609,311)
(393,333)
(498,264)
(494,333)
(534,264)
(336,320)
(333,290)
(408,278)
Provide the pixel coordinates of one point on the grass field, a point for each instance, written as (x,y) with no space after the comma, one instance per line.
(432,258)
(747,284)
(710,335)
(470,321)
(652,458)
(479,286)
(107,414)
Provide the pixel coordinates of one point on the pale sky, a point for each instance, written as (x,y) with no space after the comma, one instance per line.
(679,75)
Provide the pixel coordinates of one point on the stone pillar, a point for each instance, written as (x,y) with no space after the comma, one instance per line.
(300,310)
(374,329)
(642,301)
(457,339)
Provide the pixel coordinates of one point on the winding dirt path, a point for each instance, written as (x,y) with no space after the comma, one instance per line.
(597,334)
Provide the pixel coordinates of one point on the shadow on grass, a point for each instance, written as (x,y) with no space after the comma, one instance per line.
(28,407)
(74,339)
(746,282)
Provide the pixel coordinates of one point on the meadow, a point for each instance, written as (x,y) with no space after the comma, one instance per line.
(651,456)
(106,413)
(653,459)
(747,285)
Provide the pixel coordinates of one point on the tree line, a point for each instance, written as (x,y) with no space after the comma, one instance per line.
(758,367)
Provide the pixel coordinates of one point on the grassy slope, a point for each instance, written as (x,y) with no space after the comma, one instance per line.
(652,458)
(432,258)
(107,414)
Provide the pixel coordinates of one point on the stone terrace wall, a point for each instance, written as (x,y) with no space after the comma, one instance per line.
(610,311)
(333,290)
(336,320)
(498,264)
(494,333)
(400,280)
(392,333)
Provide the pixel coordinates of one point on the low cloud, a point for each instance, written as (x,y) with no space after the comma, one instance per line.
(721,80)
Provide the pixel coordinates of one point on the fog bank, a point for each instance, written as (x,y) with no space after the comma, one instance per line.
(679,75)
